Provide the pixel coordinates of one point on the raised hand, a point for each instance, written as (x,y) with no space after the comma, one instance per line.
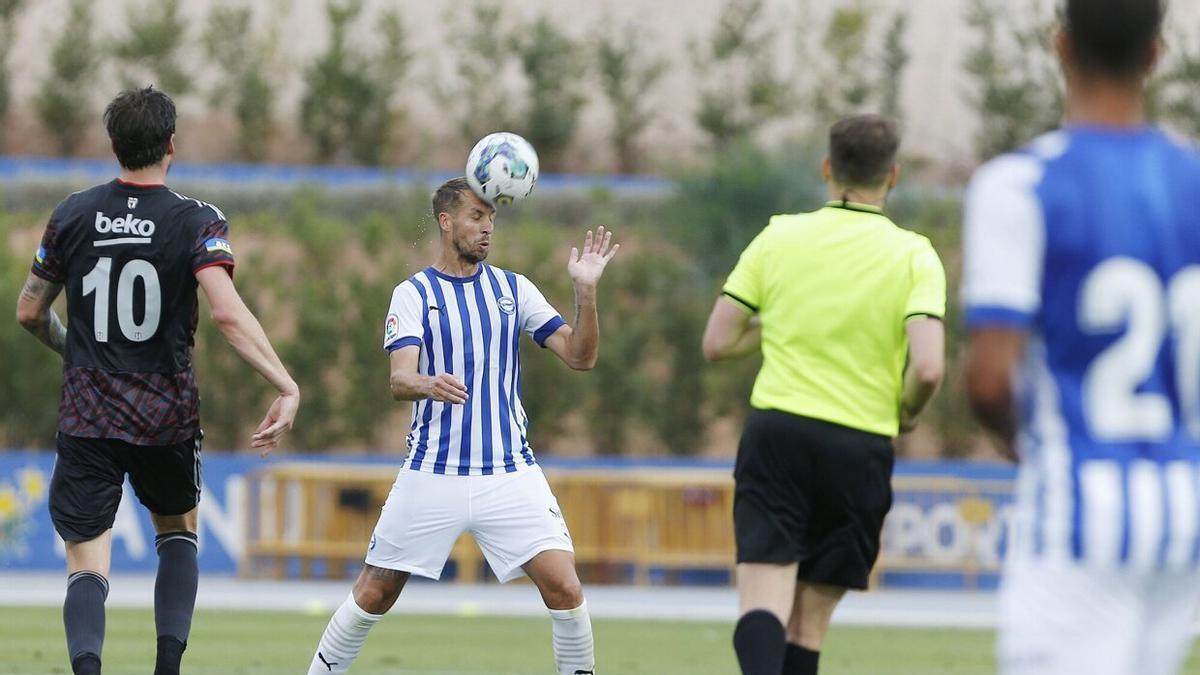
(586,268)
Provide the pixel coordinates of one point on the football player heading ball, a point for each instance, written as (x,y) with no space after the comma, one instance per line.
(452,337)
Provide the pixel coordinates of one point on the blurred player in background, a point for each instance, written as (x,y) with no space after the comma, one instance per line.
(131,254)
(452,334)
(847,308)
(1082,288)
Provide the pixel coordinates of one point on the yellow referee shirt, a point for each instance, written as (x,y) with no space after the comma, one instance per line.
(833,289)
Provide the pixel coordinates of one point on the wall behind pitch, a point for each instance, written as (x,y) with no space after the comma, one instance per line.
(947,528)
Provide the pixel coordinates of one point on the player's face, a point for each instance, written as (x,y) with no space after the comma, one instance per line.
(471,228)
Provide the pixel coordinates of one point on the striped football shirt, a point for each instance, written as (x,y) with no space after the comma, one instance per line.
(470,327)
(1088,241)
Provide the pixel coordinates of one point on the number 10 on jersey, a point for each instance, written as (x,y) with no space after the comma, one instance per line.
(98,281)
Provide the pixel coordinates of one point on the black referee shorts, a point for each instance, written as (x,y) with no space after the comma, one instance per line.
(85,489)
(813,493)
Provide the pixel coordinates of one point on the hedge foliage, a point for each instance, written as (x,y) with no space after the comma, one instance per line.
(318,269)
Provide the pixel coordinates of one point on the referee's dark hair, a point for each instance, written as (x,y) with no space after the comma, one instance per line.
(448,195)
(1114,37)
(140,123)
(862,150)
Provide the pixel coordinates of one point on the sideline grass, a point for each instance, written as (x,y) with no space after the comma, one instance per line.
(261,643)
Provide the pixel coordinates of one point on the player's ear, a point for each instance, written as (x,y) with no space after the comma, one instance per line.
(826,170)
(444,221)
(1063,48)
(893,176)
(171,146)
(1157,51)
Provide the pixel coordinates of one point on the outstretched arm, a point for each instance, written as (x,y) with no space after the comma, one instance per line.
(244,333)
(579,345)
(36,316)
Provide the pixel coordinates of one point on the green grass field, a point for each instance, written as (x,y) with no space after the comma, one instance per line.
(229,643)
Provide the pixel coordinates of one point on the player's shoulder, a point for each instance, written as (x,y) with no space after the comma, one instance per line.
(781,222)
(490,274)
(911,242)
(1185,149)
(195,211)
(410,287)
(81,202)
(1020,170)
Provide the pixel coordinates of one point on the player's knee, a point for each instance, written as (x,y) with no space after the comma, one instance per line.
(185,522)
(376,595)
(809,635)
(565,593)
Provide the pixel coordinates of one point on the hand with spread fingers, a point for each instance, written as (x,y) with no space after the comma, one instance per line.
(587,267)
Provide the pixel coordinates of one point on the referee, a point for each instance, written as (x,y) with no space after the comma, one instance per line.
(847,310)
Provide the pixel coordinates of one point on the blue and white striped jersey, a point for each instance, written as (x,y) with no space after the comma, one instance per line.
(1089,239)
(470,327)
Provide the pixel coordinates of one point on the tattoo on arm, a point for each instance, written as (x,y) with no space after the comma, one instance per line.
(35,288)
(50,330)
(56,334)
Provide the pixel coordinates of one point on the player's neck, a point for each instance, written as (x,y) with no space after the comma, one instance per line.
(876,198)
(1107,104)
(151,175)
(455,266)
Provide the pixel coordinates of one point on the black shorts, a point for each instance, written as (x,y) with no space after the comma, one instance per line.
(813,493)
(86,487)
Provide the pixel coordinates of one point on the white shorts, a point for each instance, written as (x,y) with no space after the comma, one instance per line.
(1068,620)
(513,517)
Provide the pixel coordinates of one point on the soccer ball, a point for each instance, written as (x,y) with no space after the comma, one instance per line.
(502,167)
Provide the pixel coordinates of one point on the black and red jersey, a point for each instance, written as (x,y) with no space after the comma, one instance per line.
(127,255)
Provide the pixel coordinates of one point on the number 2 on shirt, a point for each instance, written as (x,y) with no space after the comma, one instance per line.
(1124,291)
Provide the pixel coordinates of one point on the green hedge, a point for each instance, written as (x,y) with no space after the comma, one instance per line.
(318,269)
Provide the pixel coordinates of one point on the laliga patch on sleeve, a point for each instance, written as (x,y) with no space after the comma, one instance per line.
(391,329)
(216,245)
(40,257)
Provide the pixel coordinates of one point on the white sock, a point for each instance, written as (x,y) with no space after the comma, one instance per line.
(343,638)
(572,632)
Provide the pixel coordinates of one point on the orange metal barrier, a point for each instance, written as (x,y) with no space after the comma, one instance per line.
(310,512)
(668,520)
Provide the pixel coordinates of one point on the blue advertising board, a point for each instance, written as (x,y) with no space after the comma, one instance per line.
(28,540)
(947,527)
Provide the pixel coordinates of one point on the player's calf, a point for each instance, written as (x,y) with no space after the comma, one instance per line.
(174,597)
(571,633)
(571,627)
(83,619)
(374,593)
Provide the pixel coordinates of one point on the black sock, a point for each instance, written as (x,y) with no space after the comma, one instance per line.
(83,618)
(174,597)
(759,641)
(800,661)
(170,654)
(86,664)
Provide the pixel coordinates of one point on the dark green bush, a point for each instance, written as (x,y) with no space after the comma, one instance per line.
(63,101)
(318,269)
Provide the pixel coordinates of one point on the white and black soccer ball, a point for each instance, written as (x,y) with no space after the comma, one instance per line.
(502,168)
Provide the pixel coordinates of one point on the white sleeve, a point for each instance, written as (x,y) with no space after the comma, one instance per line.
(404,325)
(1004,243)
(538,317)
